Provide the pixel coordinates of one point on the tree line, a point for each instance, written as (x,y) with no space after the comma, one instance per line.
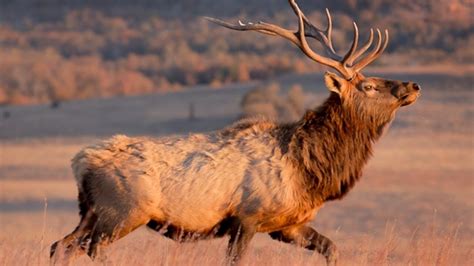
(89,52)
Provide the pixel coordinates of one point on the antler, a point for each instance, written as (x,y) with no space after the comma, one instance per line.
(343,64)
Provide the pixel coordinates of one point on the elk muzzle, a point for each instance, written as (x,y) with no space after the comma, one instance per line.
(407,93)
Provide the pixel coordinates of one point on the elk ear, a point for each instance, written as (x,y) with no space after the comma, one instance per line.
(334,83)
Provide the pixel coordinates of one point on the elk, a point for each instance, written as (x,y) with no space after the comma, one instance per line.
(256,176)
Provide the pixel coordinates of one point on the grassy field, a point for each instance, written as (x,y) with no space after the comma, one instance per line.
(414,205)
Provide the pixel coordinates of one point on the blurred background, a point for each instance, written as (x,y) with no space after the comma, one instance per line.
(75,72)
(64,50)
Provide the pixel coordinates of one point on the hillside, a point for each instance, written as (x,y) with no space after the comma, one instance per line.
(55,51)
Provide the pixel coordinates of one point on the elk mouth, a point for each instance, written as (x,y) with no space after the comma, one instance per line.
(410,98)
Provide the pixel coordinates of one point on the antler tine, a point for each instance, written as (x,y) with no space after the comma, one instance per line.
(329,30)
(314,32)
(261,27)
(353,48)
(379,49)
(365,61)
(384,46)
(241,26)
(363,49)
(304,46)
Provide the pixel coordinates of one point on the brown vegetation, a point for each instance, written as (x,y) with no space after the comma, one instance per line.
(267,101)
(93,50)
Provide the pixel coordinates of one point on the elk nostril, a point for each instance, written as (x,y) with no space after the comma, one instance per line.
(416,87)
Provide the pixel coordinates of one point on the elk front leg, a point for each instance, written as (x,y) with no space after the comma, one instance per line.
(240,235)
(307,237)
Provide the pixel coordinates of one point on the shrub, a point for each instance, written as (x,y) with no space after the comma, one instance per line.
(267,101)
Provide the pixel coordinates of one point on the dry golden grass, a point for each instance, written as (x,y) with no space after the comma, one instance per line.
(427,245)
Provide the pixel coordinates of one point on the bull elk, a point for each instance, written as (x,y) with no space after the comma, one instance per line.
(254,176)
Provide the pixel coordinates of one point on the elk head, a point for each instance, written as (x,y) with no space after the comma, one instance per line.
(368,94)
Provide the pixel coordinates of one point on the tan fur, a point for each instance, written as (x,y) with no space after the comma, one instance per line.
(196,181)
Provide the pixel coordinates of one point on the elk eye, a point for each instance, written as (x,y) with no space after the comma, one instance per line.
(369,87)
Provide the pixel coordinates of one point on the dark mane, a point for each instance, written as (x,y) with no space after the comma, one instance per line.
(330,145)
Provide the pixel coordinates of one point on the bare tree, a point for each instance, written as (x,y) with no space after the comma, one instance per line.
(255,176)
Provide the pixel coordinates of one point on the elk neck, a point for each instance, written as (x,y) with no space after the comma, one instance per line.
(329,147)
